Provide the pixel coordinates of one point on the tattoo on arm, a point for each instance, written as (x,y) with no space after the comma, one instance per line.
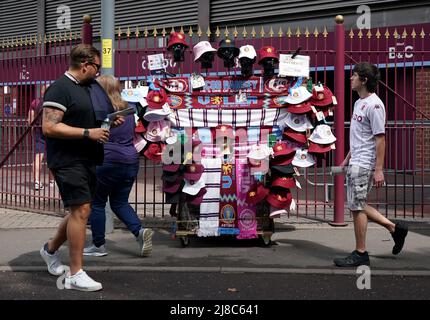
(52,116)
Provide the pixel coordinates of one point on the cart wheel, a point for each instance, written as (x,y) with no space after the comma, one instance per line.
(185,241)
(266,240)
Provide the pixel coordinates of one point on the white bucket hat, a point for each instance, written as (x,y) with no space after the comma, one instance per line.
(201,48)
(260,152)
(322,135)
(157,114)
(298,122)
(303,159)
(247,51)
(192,188)
(158,131)
(298,95)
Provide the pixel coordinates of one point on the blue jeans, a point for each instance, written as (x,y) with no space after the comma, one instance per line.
(115,181)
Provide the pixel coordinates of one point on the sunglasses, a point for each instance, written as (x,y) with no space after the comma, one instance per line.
(97,66)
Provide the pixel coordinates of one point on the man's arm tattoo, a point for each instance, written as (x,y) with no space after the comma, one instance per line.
(52,116)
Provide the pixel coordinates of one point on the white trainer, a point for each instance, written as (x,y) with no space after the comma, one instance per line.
(145,241)
(82,282)
(94,251)
(55,267)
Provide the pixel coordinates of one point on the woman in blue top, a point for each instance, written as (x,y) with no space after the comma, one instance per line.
(115,178)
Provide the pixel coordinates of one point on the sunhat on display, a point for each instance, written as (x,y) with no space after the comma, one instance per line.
(303,159)
(201,48)
(322,135)
(298,122)
(298,95)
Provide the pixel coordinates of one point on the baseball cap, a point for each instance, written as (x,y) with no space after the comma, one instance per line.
(267,52)
(247,51)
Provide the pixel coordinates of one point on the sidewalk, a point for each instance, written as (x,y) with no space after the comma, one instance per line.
(300,246)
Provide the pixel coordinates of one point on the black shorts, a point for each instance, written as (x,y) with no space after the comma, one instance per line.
(76,182)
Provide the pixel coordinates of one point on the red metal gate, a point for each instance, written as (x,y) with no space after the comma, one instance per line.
(403,58)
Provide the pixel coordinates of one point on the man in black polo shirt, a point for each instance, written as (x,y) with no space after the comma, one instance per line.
(74,148)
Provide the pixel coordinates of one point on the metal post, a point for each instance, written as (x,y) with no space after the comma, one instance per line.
(339,116)
(87,30)
(108,67)
(108,36)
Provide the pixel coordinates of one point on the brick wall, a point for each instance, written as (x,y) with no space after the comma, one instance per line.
(423,104)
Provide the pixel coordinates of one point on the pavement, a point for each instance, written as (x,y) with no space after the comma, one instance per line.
(298,246)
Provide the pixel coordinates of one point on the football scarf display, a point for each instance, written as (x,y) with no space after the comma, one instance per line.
(246,213)
(209,208)
(228,199)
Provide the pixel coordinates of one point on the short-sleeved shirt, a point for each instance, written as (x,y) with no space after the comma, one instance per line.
(72,97)
(36,107)
(120,148)
(367,122)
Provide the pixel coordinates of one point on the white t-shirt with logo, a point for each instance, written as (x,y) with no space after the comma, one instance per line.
(368,120)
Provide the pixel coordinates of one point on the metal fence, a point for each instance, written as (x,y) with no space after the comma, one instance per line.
(29,62)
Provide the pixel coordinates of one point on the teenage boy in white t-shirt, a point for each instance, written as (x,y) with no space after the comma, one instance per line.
(365,162)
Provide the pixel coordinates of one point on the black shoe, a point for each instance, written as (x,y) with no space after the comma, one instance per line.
(399,236)
(353,260)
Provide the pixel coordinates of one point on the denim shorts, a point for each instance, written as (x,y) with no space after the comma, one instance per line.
(359,182)
(76,183)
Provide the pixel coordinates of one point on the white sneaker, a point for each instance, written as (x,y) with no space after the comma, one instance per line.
(55,267)
(145,241)
(94,251)
(82,282)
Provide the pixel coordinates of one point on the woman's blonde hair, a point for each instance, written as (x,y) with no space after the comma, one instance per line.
(112,87)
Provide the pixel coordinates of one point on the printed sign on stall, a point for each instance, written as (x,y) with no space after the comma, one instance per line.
(297,67)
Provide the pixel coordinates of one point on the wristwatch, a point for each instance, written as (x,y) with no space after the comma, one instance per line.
(86,133)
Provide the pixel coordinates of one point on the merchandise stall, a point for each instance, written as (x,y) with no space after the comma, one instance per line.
(231,147)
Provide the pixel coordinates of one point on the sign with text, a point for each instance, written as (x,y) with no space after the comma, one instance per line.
(294,67)
(107,56)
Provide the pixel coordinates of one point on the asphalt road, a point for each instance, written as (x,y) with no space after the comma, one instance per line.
(192,286)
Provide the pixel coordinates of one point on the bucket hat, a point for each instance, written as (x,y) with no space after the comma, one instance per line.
(303,159)
(201,48)
(193,187)
(176,38)
(257,195)
(319,148)
(322,135)
(298,122)
(280,198)
(322,98)
(298,95)
(193,172)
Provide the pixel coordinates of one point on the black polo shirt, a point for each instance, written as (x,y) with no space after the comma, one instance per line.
(72,97)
